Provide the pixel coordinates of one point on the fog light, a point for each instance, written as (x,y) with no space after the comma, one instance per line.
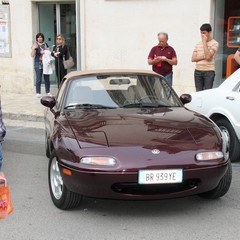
(205,156)
(104,161)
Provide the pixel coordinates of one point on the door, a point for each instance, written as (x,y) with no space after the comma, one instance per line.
(54,19)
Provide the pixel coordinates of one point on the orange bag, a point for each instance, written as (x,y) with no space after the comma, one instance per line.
(5,201)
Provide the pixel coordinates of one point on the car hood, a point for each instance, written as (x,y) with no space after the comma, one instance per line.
(141,127)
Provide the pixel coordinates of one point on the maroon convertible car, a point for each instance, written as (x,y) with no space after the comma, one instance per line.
(126,135)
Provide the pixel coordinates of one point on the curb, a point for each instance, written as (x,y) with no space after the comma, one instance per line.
(23,117)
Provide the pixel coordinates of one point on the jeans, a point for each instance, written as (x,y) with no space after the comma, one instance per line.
(47,82)
(169,77)
(203,79)
(1,156)
(39,73)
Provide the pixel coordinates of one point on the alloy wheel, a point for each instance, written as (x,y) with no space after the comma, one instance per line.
(56,179)
(227,137)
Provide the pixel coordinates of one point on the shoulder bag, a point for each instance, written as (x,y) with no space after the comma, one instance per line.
(68,63)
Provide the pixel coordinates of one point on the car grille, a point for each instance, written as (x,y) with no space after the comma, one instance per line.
(136,189)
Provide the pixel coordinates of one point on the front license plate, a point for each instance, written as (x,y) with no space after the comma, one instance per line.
(160,176)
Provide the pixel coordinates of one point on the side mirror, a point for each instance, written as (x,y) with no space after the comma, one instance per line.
(186,98)
(48,101)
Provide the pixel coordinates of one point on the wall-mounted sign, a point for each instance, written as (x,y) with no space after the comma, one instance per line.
(5,39)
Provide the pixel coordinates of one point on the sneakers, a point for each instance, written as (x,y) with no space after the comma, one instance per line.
(39,95)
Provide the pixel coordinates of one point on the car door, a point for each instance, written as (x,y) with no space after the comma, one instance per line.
(231,105)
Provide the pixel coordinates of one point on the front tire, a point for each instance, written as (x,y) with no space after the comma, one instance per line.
(47,146)
(223,186)
(61,196)
(234,146)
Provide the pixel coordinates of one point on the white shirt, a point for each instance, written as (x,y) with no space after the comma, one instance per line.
(47,62)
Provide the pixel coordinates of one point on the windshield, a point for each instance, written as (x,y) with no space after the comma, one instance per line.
(120,91)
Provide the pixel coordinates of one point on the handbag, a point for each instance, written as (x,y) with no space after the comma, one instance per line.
(5,200)
(68,63)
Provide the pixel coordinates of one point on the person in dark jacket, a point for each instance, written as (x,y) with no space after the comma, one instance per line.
(60,51)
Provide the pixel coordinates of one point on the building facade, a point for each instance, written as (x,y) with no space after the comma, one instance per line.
(103,34)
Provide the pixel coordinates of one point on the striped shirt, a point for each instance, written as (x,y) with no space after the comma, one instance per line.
(205,65)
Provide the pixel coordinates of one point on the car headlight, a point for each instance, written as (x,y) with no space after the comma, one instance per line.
(103,161)
(206,156)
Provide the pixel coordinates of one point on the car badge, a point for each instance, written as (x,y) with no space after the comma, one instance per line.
(155,151)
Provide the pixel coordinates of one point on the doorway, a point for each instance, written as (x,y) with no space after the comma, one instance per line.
(57,18)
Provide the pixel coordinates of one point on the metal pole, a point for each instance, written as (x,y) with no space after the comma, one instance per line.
(58,16)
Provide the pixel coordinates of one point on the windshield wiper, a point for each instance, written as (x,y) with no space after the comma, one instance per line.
(143,105)
(88,106)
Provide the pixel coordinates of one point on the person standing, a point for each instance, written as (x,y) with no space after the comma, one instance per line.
(47,68)
(59,52)
(162,57)
(204,56)
(2,134)
(37,52)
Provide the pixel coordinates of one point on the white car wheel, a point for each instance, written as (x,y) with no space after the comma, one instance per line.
(234,146)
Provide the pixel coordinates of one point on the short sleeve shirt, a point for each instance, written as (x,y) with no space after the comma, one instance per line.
(165,67)
(204,65)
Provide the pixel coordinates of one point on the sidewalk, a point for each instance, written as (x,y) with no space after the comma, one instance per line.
(23,109)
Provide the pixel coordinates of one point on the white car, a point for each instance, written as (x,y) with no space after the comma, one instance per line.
(222,105)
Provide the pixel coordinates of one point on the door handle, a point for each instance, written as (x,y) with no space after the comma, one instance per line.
(230,98)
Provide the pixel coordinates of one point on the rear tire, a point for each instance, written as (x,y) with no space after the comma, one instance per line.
(222,187)
(61,196)
(234,149)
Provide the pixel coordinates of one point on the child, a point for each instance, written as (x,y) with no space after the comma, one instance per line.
(47,68)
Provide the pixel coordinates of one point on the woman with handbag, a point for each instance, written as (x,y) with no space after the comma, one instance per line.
(59,52)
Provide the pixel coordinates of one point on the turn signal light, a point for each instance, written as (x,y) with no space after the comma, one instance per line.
(67,172)
(205,156)
(103,161)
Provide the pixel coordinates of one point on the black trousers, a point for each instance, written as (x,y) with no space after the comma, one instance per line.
(60,70)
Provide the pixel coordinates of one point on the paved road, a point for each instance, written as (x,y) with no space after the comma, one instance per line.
(36,218)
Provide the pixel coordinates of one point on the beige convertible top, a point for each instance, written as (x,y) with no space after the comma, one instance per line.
(107,71)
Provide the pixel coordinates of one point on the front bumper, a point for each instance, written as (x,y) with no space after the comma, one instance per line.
(124,184)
